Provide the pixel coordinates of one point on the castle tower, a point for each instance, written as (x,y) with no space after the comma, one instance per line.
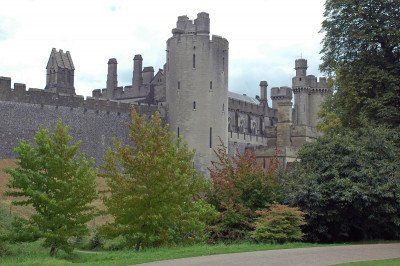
(137,72)
(301,90)
(264,93)
(282,94)
(197,87)
(112,78)
(60,72)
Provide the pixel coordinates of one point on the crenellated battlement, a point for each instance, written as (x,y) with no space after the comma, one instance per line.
(20,94)
(201,25)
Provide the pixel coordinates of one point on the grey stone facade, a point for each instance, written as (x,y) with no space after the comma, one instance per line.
(190,92)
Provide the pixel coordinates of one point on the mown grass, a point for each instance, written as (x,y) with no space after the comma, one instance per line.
(390,262)
(35,254)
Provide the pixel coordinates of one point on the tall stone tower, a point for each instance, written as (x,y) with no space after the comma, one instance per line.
(60,72)
(197,87)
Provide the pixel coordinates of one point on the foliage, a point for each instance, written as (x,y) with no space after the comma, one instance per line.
(348,184)
(361,49)
(154,190)
(59,183)
(5,226)
(240,187)
(278,223)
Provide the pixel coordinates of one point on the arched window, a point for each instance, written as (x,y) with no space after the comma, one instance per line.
(194,61)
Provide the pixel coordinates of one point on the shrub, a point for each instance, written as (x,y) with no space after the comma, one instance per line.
(278,223)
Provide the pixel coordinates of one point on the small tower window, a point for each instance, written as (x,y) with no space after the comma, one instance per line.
(211,86)
(223,107)
(179,85)
(210,137)
(194,105)
(178,132)
(194,61)
(223,62)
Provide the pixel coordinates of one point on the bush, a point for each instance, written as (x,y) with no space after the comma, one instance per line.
(278,223)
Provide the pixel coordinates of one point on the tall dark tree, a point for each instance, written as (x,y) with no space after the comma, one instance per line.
(54,178)
(347,183)
(361,49)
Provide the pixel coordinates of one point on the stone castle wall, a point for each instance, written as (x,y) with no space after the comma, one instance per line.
(92,121)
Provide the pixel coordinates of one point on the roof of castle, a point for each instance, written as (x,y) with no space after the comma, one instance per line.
(61,59)
(242,97)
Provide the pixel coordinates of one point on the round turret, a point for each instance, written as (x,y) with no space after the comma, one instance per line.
(301,67)
(197,92)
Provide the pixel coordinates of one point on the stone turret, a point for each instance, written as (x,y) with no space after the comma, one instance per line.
(301,67)
(60,72)
(137,72)
(282,94)
(264,93)
(197,87)
(309,94)
(112,78)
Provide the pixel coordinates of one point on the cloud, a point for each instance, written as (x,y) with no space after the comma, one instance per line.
(265,37)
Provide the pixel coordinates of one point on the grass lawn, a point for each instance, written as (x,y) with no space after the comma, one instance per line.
(391,262)
(35,254)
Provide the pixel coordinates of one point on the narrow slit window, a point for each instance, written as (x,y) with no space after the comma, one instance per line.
(194,61)
(211,86)
(223,62)
(210,137)
(223,107)
(179,85)
(178,132)
(194,105)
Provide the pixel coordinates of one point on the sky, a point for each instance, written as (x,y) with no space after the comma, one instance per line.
(265,37)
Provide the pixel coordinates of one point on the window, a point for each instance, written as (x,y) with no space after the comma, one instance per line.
(223,63)
(178,132)
(194,105)
(210,137)
(194,61)
(179,85)
(210,85)
(223,107)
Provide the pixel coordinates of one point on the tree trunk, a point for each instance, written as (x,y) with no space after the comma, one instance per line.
(53,251)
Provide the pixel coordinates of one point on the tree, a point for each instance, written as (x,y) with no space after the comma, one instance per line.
(278,223)
(240,187)
(54,178)
(348,184)
(361,49)
(154,191)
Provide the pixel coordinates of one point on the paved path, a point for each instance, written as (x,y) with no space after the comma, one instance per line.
(299,256)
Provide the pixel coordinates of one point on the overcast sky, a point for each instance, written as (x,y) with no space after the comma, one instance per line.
(265,37)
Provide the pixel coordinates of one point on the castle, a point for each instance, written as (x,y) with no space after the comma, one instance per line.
(190,92)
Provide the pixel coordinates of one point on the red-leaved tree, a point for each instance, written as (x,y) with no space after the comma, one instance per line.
(240,187)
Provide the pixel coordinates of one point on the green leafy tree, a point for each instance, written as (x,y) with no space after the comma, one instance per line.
(54,178)
(240,187)
(348,184)
(278,224)
(154,191)
(361,49)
